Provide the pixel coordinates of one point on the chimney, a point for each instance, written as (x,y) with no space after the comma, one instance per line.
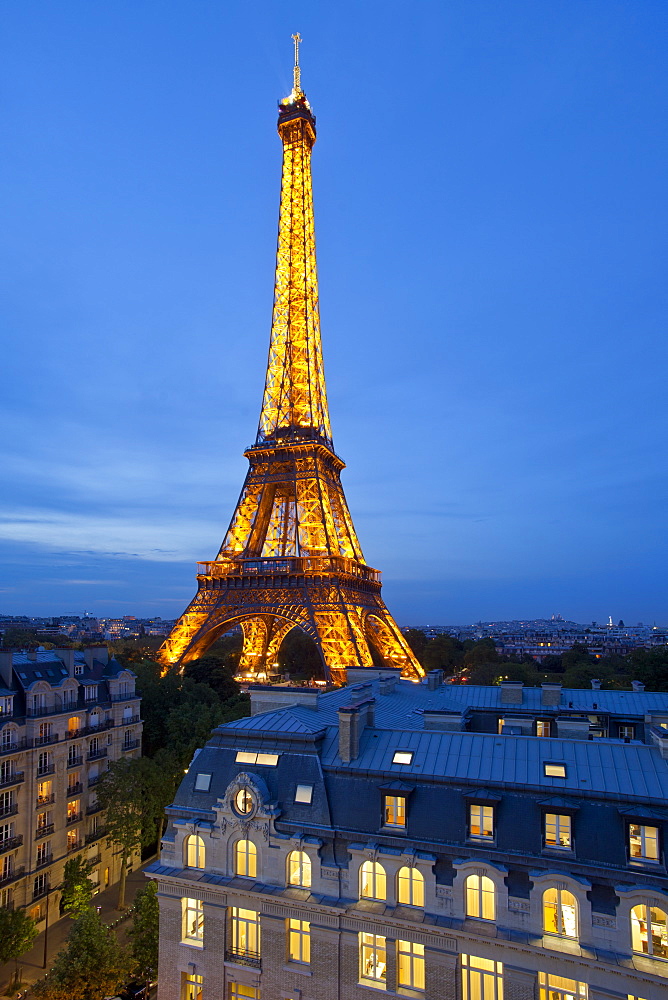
(512,692)
(100,653)
(595,684)
(6,661)
(434,679)
(387,683)
(66,657)
(551,696)
(637,686)
(352,721)
(32,654)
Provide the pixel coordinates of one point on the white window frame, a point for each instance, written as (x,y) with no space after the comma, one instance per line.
(646,839)
(299,941)
(481,816)
(192,922)
(560,988)
(413,955)
(373,960)
(562,825)
(481,977)
(410,887)
(478,889)
(374,877)
(299,869)
(245,931)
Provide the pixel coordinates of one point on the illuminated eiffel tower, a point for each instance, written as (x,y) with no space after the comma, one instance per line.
(291,556)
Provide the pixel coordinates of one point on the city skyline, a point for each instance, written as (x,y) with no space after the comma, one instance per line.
(479,293)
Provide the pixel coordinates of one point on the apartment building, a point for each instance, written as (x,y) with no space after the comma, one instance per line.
(64,717)
(348,844)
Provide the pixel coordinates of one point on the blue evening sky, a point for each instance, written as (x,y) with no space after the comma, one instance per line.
(490,186)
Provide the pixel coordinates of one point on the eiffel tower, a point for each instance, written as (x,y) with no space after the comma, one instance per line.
(291,557)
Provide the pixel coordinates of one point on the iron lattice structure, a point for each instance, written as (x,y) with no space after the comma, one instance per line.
(291,556)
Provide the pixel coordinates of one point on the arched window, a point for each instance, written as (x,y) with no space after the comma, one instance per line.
(373,881)
(480,897)
(649,931)
(560,913)
(299,869)
(194,851)
(245,859)
(410,887)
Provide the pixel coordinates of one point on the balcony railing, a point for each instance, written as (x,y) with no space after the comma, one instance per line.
(10,843)
(132,745)
(44,831)
(250,958)
(12,876)
(74,818)
(128,696)
(45,769)
(13,779)
(74,761)
(39,893)
(101,728)
(9,810)
(130,721)
(74,789)
(93,780)
(96,834)
(97,754)
(44,800)
(94,807)
(76,846)
(94,861)
(44,741)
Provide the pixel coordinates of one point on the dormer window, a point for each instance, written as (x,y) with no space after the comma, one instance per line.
(90,692)
(6,706)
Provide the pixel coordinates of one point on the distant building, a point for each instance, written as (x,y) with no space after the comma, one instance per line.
(364,841)
(64,716)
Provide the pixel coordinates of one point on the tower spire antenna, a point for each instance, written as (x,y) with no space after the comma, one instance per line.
(296,80)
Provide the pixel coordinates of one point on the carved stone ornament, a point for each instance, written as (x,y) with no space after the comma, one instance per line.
(262,808)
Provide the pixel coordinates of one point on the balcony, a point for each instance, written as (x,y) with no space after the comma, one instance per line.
(10,843)
(124,697)
(43,831)
(74,789)
(96,834)
(12,779)
(74,818)
(13,747)
(289,566)
(97,754)
(94,861)
(132,745)
(12,876)
(40,712)
(9,810)
(76,846)
(101,728)
(131,721)
(74,761)
(40,893)
(45,741)
(43,860)
(93,808)
(44,800)
(45,769)
(250,958)
(93,780)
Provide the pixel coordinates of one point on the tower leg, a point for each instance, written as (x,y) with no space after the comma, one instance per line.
(255,646)
(393,648)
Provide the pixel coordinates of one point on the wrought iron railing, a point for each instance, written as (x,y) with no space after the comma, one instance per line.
(44,831)
(9,843)
(289,565)
(13,779)
(250,958)
(12,875)
(44,800)
(74,818)
(97,754)
(74,789)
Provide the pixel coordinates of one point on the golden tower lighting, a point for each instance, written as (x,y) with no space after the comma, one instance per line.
(291,556)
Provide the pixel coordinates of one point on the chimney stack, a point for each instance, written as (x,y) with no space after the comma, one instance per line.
(100,653)
(637,686)
(352,721)
(595,684)
(6,661)
(551,696)
(66,657)
(512,692)
(434,679)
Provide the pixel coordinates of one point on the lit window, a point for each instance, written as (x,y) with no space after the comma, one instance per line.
(410,965)
(554,770)
(394,810)
(627,732)
(481,822)
(403,757)
(192,912)
(649,935)
(194,852)
(239,991)
(643,842)
(299,941)
(481,977)
(542,727)
(373,960)
(243,801)
(191,986)
(480,897)
(245,859)
(245,932)
(304,794)
(202,782)
(558,988)
(373,881)
(410,887)
(558,832)
(299,869)
(560,913)
(268,759)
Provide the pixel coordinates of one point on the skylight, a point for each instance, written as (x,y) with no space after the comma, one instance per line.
(554,770)
(403,757)
(304,794)
(268,759)
(202,782)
